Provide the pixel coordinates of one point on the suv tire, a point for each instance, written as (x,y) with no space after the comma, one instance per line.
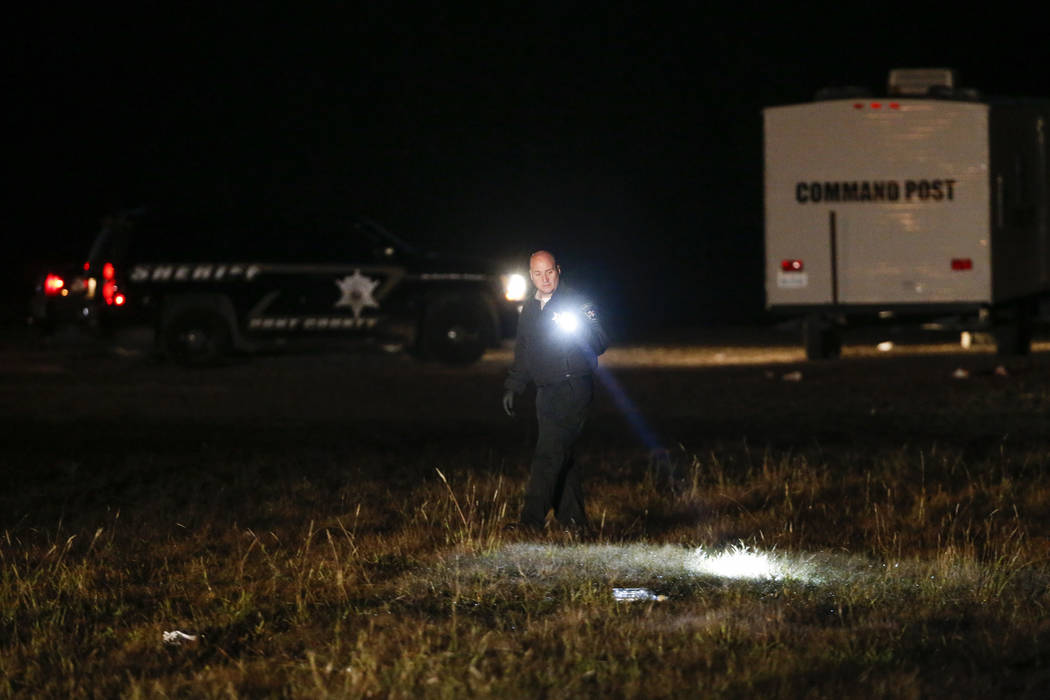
(456,330)
(196,337)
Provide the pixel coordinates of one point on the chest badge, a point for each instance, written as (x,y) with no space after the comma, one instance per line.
(357,293)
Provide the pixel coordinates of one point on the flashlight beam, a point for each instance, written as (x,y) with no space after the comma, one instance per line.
(623,402)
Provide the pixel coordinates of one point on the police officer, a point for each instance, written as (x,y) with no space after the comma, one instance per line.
(558,343)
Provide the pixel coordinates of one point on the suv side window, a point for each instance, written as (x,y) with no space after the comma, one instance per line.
(349,245)
(151,237)
(306,241)
(166,236)
(312,243)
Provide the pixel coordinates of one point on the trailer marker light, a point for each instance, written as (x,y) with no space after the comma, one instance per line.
(895,105)
(791,265)
(108,273)
(858,105)
(959,264)
(876,105)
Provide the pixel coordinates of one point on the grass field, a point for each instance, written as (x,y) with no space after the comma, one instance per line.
(332,525)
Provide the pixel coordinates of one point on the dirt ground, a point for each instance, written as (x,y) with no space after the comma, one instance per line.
(72,400)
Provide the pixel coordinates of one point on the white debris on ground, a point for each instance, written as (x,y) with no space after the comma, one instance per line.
(795,376)
(960,373)
(635,594)
(885,346)
(176,637)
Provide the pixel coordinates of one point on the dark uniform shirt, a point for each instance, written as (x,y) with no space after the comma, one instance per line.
(545,352)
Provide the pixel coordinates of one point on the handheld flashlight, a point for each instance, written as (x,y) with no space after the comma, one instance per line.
(566,321)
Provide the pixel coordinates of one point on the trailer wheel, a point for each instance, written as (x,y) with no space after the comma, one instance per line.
(1013,336)
(821,338)
(196,337)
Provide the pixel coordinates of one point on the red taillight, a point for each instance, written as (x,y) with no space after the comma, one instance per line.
(110,293)
(962,264)
(53,284)
(791,265)
(109,285)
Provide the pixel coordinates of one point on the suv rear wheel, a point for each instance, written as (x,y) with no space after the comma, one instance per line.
(196,337)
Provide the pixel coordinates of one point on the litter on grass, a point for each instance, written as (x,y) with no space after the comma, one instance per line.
(632,594)
(176,637)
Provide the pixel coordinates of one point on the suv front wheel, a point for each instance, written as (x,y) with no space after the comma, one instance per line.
(456,330)
(196,337)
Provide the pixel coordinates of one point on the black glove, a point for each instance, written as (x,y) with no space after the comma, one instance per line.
(508,403)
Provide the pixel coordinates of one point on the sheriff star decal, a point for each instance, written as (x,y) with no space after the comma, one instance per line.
(357,293)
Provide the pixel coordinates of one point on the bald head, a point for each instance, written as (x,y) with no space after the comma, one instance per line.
(544,271)
(542,255)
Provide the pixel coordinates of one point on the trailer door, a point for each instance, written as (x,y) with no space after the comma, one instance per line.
(880,203)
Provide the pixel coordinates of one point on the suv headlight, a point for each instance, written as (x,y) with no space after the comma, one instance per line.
(514,287)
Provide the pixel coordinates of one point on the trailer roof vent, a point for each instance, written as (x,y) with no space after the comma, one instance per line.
(918,81)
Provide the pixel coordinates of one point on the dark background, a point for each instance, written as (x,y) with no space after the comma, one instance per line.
(625,137)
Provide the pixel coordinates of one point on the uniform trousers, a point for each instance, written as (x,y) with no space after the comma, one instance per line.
(554,479)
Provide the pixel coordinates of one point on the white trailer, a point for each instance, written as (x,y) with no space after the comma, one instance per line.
(928,203)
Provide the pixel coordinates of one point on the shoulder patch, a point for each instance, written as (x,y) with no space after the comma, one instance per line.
(589,311)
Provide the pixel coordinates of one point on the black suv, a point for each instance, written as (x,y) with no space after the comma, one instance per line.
(206,293)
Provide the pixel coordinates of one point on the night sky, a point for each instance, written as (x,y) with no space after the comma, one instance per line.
(625,137)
